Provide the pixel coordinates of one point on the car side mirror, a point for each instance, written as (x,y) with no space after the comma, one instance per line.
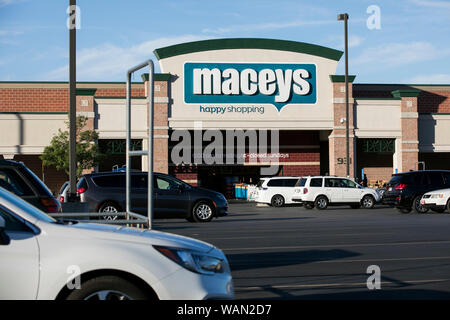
(4,238)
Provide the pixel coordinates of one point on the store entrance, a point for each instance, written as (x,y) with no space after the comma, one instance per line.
(223,178)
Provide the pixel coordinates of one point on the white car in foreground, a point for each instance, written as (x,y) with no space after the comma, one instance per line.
(276,191)
(437,200)
(320,192)
(42,258)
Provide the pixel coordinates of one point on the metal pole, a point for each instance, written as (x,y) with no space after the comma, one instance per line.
(150,144)
(72,102)
(128,145)
(149,153)
(347,138)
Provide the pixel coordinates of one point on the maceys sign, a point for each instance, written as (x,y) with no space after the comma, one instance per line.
(250,83)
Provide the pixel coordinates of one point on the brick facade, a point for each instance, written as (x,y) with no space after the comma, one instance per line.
(52,97)
(337,139)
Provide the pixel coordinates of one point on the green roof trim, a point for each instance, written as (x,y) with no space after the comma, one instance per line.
(157,77)
(85,91)
(406,93)
(247,43)
(341,78)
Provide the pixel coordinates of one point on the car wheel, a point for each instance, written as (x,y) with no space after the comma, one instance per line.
(309,205)
(448,206)
(277,200)
(368,202)
(109,207)
(355,206)
(404,210)
(321,203)
(202,212)
(108,288)
(417,206)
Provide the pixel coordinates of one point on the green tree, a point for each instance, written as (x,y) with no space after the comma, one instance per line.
(88,154)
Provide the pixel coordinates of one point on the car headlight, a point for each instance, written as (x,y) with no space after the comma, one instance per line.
(437,195)
(194,261)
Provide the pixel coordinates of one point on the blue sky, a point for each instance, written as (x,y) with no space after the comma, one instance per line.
(412,45)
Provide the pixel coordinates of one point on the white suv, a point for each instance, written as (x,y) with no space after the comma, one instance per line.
(322,191)
(276,191)
(437,200)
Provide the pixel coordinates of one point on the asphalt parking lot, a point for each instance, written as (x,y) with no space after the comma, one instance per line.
(294,253)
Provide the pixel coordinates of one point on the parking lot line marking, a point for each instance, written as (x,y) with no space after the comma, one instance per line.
(343,245)
(384,260)
(324,285)
(302,235)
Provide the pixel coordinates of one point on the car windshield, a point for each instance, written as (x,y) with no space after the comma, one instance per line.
(25,206)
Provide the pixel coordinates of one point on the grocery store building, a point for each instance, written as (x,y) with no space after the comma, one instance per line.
(251,87)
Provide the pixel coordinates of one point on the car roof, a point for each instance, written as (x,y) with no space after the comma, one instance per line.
(420,171)
(4,162)
(284,177)
(117,173)
(329,177)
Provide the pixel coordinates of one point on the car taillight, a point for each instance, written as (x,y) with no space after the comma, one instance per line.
(52,205)
(61,199)
(81,190)
(400,186)
(305,190)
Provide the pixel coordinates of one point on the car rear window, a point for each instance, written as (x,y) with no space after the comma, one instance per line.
(301,182)
(63,187)
(112,181)
(276,183)
(411,178)
(13,182)
(316,182)
(447,178)
(290,182)
(435,178)
(82,184)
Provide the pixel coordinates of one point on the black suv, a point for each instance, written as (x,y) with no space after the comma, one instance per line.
(173,198)
(18,179)
(405,190)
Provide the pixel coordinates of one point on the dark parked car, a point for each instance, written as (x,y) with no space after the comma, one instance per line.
(173,198)
(405,190)
(18,179)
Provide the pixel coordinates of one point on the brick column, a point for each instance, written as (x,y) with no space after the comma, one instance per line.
(85,107)
(409,124)
(337,139)
(161,123)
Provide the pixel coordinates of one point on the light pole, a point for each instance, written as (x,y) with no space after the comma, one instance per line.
(72,102)
(340,17)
